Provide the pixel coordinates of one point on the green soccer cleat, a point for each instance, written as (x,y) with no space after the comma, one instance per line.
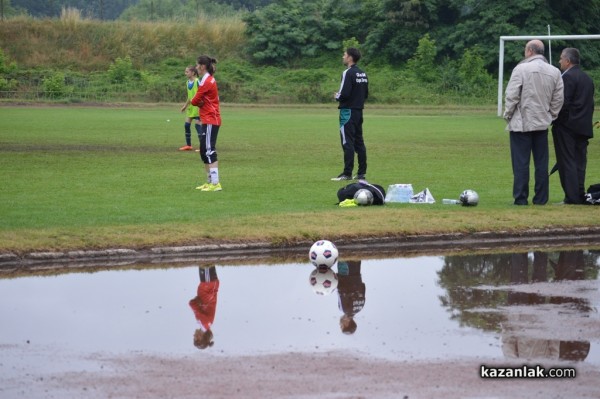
(212,187)
(348,203)
(202,187)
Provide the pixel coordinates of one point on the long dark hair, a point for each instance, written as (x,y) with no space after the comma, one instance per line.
(208,62)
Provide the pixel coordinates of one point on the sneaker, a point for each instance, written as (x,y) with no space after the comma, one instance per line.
(202,187)
(186,148)
(360,177)
(348,203)
(212,187)
(341,177)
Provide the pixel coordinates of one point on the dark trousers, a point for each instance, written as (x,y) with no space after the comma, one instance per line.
(208,143)
(571,158)
(351,135)
(522,146)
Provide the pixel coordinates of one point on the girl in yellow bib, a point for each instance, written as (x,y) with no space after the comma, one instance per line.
(192,114)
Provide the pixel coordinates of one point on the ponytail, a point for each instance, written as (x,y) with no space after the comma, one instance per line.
(209,63)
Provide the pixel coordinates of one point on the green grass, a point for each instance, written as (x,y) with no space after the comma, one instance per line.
(106,177)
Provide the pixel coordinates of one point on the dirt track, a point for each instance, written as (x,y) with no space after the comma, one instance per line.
(332,375)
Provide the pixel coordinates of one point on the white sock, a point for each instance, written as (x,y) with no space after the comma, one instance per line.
(214,175)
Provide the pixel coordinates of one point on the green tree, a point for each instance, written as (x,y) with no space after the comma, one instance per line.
(287,30)
(423,64)
(101,9)
(8,9)
(185,10)
(472,71)
(397,26)
(482,22)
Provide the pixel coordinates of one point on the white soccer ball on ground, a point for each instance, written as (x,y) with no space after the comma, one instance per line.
(363,197)
(469,198)
(323,281)
(323,254)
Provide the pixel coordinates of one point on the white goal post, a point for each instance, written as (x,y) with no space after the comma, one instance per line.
(515,38)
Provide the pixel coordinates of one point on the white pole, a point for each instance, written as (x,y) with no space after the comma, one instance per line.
(500,75)
(549,46)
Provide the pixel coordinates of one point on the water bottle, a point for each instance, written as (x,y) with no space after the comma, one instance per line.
(447,201)
(405,192)
(399,193)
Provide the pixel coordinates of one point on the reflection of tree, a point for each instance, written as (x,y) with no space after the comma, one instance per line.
(464,278)
(461,275)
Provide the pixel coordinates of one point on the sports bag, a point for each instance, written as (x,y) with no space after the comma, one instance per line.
(593,194)
(348,192)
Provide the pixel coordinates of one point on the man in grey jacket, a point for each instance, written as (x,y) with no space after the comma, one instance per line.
(534,97)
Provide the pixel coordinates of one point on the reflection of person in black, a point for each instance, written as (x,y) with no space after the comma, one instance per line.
(570,266)
(351,291)
(204,306)
(519,274)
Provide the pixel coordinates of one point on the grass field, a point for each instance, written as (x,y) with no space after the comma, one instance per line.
(111,177)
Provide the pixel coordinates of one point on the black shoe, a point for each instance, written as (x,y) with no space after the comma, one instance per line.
(341,177)
(360,177)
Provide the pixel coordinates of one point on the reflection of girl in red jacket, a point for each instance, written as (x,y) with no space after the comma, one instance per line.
(204,306)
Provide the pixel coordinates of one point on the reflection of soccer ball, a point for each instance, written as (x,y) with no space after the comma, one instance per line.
(323,254)
(323,281)
(469,198)
(363,197)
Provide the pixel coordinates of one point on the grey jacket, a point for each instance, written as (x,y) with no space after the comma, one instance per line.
(534,95)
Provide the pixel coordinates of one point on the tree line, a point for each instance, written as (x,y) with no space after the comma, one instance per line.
(287,32)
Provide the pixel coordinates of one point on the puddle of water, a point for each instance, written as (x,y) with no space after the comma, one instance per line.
(428,307)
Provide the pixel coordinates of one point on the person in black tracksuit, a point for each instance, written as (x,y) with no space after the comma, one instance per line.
(354,90)
(351,291)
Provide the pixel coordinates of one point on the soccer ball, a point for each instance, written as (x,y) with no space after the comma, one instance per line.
(323,254)
(323,281)
(469,198)
(363,197)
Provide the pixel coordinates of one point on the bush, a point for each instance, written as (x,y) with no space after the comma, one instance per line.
(55,87)
(422,64)
(121,71)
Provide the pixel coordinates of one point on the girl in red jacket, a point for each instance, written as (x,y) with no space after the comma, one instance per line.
(207,98)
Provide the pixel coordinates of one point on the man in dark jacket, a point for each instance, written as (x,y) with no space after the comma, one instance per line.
(354,90)
(573,128)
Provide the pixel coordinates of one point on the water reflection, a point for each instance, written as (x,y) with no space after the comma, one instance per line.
(509,293)
(204,305)
(418,308)
(351,292)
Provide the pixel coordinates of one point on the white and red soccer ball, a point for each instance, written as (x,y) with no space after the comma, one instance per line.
(323,281)
(323,254)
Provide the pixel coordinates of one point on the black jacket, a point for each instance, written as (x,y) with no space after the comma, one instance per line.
(354,89)
(578,108)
